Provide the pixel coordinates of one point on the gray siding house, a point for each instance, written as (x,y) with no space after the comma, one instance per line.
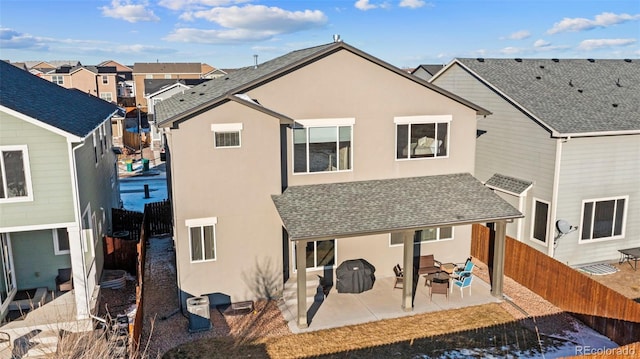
(286,169)
(562,144)
(59,183)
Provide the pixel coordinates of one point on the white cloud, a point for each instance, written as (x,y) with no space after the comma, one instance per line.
(519,35)
(127,11)
(364,5)
(263,18)
(511,50)
(602,43)
(197,4)
(541,43)
(581,24)
(11,39)
(413,4)
(218,36)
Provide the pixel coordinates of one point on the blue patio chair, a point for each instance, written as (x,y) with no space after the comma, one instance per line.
(463,281)
(468,267)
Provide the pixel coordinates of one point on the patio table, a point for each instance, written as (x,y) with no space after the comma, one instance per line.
(628,255)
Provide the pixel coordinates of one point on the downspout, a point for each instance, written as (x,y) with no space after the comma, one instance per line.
(77,211)
(551,227)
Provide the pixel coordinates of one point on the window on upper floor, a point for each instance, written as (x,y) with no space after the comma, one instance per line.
(107,96)
(424,235)
(422,136)
(16,174)
(226,135)
(202,239)
(105,79)
(167,76)
(60,241)
(540,220)
(323,145)
(603,218)
(57,79)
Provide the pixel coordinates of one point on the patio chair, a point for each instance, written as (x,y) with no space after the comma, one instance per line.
(463,281)
(428,265)
(468,267)
(399,276)
(64,280)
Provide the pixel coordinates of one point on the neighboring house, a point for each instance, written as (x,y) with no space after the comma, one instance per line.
(159,90)
(99,81)
(124,82)
(563,143)
(355,157)
(425,72)
(59,183)
(162,70)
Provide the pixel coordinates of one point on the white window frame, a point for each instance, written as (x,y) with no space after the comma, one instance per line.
(227,128)
(202,222)
(27,174)
(595,201)
(57,79)
(107,96)
(95,147)
(105,79)
(438,239)
(315,259)
(421,120)
(324,122)
(533,221)
(56,243)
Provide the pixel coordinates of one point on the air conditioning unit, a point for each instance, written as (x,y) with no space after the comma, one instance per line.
(199,316)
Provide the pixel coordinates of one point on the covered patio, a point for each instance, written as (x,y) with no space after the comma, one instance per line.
(400,205)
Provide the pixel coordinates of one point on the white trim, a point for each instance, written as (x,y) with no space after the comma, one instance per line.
(226,127)
(200,221)
(613,236)
(408,120)
(36,227)
(56,243)
(9,257)
(554,196)
(326,122)
(70,137)
(27,174)
(533,221)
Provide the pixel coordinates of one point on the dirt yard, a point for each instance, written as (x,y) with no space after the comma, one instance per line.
(625,281)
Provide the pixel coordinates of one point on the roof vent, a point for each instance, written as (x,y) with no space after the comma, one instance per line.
(542,66)
(618,83)
(614,104)
(591,60)
(255,61)
(555,60)
(570,83)
(480,59)
(518,59)
(627,60)
(336,38)
(538,77)
(580,90)
(201,93)
(181,100)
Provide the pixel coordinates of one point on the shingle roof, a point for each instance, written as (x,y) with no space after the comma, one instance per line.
(508,184)
(241,79)
(167,68)
(379,206)
(569,96)
(151,86)
(72,111)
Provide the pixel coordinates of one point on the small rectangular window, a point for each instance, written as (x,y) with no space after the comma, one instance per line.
(202,239)
(57,79)
(61,241)
(540,220)
(226,135)
(107,96)
(16,174)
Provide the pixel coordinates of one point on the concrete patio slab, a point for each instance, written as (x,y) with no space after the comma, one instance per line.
(381,302)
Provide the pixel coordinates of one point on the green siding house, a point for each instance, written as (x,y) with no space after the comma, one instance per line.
(59,183)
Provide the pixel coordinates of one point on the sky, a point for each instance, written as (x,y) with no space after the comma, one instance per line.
(228,33)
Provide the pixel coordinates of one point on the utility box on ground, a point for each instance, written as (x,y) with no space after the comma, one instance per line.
(199,316)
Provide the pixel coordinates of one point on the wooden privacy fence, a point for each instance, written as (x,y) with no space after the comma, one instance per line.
(602,308)
(158,218)
(136,332)
(123,220)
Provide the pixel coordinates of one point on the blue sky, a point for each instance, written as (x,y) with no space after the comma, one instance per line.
(227,33)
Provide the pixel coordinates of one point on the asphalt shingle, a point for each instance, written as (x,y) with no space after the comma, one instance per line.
(377,206)
(72,111)
(507,183)
(571,96)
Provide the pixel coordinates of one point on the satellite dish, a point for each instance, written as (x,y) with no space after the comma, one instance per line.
(563,226)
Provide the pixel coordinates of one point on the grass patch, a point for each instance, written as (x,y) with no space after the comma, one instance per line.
(487,327)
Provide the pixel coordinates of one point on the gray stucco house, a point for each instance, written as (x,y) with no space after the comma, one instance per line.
(285,169)
(59,183)
(562,144)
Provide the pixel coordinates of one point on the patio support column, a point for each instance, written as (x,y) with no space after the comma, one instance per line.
(407,283)
(301,265)
(498,258)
